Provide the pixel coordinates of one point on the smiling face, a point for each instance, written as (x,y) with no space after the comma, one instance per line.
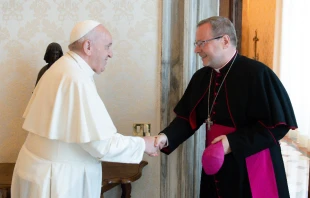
(211,51)
(101,49)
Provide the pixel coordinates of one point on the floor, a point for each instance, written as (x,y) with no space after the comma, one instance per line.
(297,170)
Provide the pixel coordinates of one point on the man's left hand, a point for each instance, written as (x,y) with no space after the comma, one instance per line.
(225,143)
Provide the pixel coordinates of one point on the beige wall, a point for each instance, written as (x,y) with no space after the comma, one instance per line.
(258,15)
(128,87)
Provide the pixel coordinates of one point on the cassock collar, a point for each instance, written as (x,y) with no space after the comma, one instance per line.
(224,69)
(82,64)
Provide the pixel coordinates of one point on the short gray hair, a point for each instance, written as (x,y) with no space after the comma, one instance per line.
(221,26)
(77,45)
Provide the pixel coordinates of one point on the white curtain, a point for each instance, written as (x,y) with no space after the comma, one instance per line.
(292,64)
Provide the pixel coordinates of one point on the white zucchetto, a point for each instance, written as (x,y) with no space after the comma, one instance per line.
(81,29)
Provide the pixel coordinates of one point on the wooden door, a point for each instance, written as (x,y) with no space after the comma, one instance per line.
(232,9)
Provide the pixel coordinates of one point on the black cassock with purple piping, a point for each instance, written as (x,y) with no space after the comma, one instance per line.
(254,103)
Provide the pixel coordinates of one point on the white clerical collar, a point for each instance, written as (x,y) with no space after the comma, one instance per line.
(218,70)
(82,64)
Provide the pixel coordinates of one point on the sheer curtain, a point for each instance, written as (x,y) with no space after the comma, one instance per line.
(292,61)
(292,64)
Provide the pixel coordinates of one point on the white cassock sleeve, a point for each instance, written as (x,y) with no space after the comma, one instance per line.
(118,148)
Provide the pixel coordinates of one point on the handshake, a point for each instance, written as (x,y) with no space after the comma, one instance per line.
(154,143)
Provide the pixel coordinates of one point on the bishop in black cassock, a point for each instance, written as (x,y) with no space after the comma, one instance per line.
(246,96)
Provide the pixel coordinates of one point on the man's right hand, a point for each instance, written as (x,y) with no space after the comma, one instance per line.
(150,149)
(161,141)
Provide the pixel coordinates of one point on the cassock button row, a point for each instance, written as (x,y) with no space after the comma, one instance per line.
(215,93)
(217,84)
(213,113)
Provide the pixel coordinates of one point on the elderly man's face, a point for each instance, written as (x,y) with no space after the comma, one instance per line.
(102,50)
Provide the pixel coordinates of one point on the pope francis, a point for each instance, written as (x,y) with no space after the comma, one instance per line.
(70,130)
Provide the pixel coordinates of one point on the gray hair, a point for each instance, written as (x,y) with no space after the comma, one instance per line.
(77,45)
(221,26)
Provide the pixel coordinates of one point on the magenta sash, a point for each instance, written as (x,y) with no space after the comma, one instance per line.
(259,166)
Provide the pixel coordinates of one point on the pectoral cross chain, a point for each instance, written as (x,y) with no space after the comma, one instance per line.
(209,123)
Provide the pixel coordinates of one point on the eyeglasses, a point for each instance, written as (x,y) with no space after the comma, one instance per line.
(202,43)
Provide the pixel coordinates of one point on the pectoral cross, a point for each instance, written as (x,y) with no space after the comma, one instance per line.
(209,123)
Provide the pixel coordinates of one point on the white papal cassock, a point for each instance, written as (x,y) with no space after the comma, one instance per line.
(70,132)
